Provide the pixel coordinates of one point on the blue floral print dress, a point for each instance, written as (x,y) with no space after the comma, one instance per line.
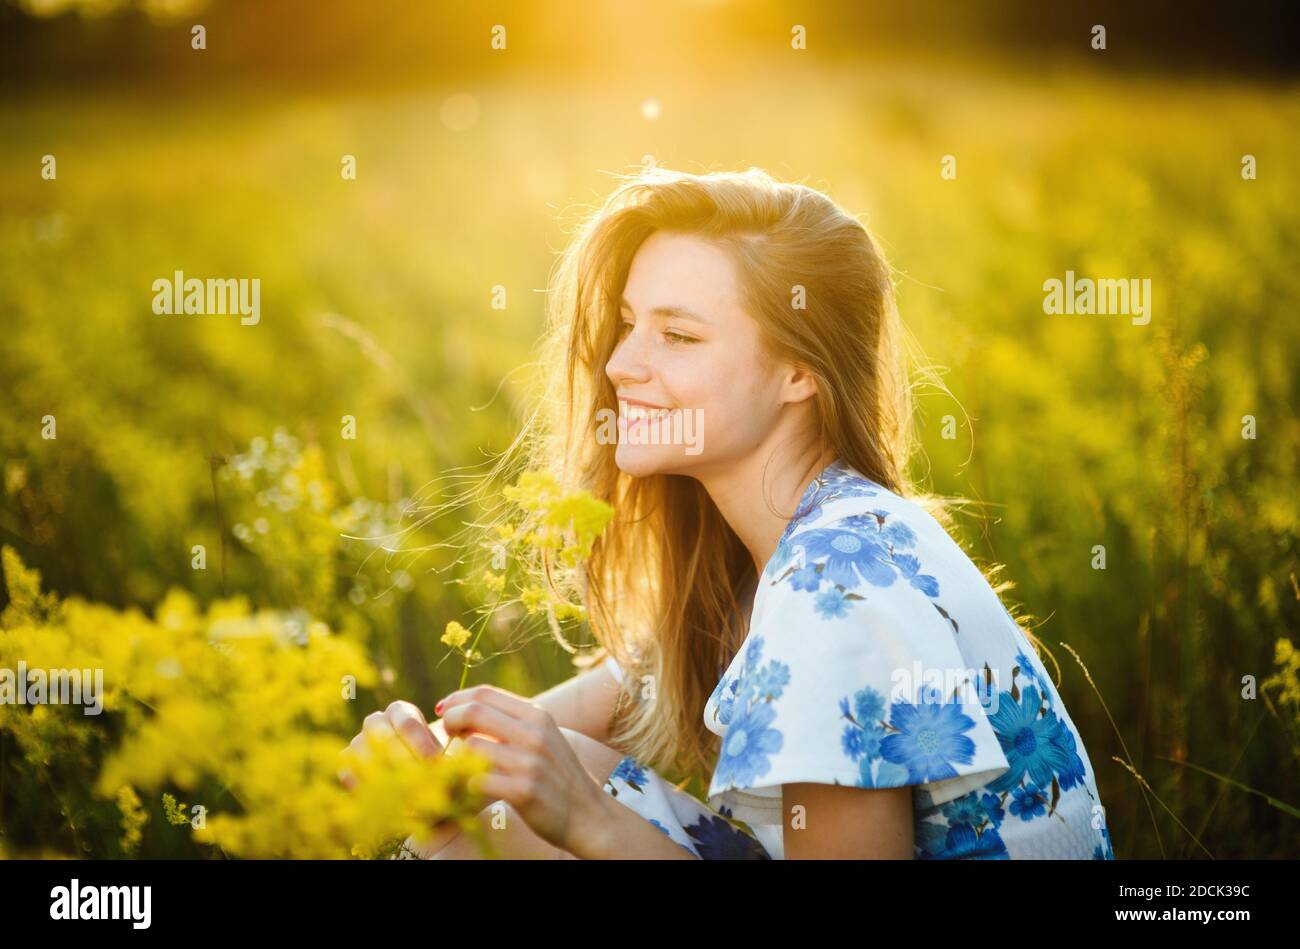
(878,656)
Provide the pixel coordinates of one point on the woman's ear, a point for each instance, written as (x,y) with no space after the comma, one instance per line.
(799,386)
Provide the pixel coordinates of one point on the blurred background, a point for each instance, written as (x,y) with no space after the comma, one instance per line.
(472,165)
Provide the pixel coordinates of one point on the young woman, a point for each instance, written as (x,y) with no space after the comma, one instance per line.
(786,615)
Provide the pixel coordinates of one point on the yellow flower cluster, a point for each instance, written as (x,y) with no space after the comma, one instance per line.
(175,813)
(1286,680)
(555,526)
(244,712)
(134,817)
(456,636)
(548,526)
(566,523)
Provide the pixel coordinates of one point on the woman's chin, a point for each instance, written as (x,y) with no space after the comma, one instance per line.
(642,461)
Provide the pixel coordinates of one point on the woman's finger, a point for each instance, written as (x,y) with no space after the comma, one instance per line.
(346,777)
(505,787)
(516,706)
(359,748)
(360,744)
(479,717)
(356,750)
(505,759)
(375,721)
(411,727)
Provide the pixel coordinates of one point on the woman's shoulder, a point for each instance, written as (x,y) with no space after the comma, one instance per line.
(851,535)
(860,552)
(849,500)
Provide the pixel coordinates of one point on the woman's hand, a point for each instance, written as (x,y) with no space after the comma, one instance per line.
(402,719)
(534,768)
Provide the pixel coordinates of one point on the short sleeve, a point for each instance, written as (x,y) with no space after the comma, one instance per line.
(853,684)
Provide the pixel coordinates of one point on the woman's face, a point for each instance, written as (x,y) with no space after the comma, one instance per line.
(697,390)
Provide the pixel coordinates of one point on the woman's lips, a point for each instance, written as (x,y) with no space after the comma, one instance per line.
(634,414)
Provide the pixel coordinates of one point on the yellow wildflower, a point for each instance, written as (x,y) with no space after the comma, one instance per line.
(456,635)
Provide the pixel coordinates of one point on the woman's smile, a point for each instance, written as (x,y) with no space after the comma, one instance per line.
(635,415)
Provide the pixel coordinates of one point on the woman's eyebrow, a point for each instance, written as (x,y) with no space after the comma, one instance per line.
(680,312)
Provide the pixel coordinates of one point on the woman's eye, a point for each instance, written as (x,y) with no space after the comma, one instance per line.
(679,338)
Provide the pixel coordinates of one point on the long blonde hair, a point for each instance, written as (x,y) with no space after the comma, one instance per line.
(662,585)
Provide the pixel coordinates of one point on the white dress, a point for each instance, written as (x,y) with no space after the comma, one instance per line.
(878,656)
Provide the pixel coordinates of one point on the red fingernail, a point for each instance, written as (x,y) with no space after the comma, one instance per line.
(438,708)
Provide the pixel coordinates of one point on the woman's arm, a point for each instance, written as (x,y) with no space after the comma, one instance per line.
(848,823)
(584,703)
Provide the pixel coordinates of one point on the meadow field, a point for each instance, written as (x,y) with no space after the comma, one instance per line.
(1172,445)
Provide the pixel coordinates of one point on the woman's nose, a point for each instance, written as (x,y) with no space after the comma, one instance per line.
(628,364)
